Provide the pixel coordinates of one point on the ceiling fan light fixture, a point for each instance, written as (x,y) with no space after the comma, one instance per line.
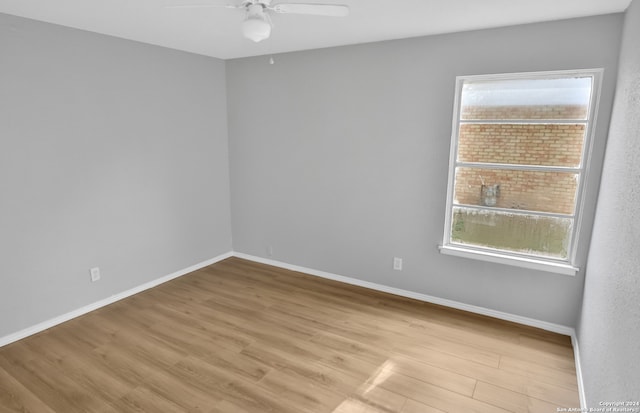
(256,27)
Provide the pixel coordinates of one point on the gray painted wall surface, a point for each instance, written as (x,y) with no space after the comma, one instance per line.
(112,154)
(339,158)
(609,329)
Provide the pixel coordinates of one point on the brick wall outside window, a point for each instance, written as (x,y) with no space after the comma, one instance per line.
(525,144)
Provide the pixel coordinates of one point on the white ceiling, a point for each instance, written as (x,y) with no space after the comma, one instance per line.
(216,31)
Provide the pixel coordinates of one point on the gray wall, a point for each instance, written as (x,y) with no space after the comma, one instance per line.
(112,154)
(339,158)
(609,329)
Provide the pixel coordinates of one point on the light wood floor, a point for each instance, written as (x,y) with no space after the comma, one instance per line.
(240,337)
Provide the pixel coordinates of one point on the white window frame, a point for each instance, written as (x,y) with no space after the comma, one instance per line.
(531,261)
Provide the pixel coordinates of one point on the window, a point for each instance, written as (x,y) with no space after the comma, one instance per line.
(519,153)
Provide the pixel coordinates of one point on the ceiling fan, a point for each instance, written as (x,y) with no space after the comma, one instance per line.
(257,23)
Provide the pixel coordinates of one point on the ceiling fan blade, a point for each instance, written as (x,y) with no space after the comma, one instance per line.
(337,10)
(180,4)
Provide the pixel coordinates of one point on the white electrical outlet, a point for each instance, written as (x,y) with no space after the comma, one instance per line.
(397,264)
(95,274)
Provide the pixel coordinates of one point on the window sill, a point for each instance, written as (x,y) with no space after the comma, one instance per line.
(532,264)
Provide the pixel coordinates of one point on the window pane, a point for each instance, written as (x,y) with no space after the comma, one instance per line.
(529,234)
(507,188)
(526,99)
(524,144)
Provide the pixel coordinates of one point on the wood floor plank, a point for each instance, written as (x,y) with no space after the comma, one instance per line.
(144,400)
(243,337)
(347,345)
(87,373)
(515,382)
(434,375)
(436,396)
(352,364)
(539,372)
(236,364)
(412,406)
(226,406)
(51,385)
(193,392)
(375,396)
(355,405)
(541,343)
(374,400)
(14,396)
(457,349)
(512,401)
(304,393)
(486,342)
(309,368)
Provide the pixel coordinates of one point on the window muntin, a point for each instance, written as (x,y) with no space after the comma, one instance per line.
(517,167)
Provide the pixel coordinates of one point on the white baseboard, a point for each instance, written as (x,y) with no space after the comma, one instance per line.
(576,355)
(556,328)
(109,300)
